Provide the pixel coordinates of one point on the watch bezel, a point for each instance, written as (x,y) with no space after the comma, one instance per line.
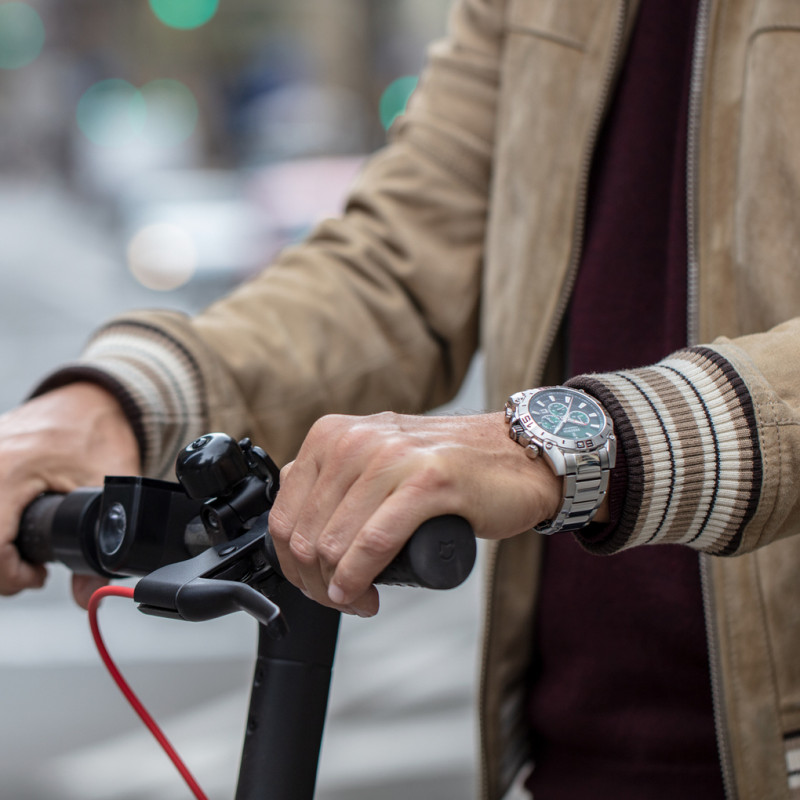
(547,440)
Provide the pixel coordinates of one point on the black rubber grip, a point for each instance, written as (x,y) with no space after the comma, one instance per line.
(61,527)
(34,540)
(439,555)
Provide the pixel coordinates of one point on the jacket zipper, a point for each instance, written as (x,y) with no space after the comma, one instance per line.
(566,291)
(720,716)
(491,580)
(583,187)
(693,335)
(692,145)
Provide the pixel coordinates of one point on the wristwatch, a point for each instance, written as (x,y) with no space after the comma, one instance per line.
(574,433)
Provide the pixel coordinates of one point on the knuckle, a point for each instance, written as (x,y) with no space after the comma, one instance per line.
(302,550)
(392,453)
(348,581)
(352,440)
(390,420)
(326,426)
(280,528)
(330,549)
(377,543)
(285,470)
(395,446)
(433,475)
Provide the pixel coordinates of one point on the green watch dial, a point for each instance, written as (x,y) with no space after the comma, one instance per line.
(567,414)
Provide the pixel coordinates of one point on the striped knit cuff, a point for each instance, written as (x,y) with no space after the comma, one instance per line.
(688,432)
(155,379)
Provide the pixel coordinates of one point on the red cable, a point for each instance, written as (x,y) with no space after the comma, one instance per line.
(130,696)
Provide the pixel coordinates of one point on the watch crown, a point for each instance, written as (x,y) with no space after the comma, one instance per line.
(518,434)
(533,450)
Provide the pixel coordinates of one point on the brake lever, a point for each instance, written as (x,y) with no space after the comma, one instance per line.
(231,576)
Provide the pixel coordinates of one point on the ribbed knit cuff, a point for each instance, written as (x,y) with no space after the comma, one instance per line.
(156,381)
(690,442)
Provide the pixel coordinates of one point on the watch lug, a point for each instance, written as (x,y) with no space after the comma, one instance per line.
(608,453)
(556,459)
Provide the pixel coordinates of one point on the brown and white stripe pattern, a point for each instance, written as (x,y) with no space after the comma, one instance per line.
(791,743)
(688,433)
(156,380)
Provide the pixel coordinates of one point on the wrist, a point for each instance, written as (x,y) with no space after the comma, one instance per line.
(603,513)
(113,422)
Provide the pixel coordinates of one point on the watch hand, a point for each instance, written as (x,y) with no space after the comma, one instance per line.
(565,417)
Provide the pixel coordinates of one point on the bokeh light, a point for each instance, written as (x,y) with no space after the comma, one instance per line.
(21,35)
(184,14)
(162,256)
(112,113)
(171,112)
(394,99)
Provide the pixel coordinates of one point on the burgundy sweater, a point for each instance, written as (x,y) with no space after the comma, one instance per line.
(620,702)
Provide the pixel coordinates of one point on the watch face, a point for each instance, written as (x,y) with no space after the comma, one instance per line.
(566,414)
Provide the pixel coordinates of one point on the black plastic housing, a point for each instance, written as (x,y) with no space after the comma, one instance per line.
(158,513)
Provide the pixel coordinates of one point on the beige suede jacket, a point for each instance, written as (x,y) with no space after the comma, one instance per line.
(464,233)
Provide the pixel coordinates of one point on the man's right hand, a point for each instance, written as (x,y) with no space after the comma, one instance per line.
(70,437)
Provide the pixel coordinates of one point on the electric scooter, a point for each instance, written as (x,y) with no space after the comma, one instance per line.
(201,549)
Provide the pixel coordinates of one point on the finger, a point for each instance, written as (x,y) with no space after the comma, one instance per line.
(285,470)
(362,500)
(378,542)
(84,586)
(339,534)
(314,569)
(283,514)
(311,490)
(328,499)
(16,574)
(367,605)
(308,576)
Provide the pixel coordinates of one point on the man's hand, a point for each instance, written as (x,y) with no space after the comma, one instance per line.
(70,437)
(361,486)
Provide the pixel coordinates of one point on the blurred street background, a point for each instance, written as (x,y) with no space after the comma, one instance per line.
(155,153)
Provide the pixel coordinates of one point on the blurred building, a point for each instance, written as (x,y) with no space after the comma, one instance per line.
(247,50)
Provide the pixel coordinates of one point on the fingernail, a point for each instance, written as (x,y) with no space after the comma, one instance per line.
(335,594)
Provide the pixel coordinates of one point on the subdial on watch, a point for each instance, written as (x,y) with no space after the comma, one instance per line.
(550,422)
(578,418)
(567,415)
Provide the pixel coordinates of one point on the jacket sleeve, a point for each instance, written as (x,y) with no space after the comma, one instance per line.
(376,310)
(710,441)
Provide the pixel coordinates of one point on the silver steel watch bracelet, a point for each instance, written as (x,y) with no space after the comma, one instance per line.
(572,431)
